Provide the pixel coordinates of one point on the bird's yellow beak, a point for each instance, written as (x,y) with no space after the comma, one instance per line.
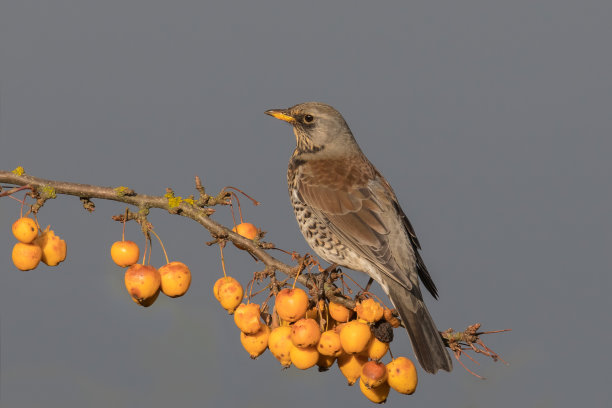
(281,114)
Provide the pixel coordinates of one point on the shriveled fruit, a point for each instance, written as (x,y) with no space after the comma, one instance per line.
(53,247)
(304,357)
(383,331)
(329,344)
(377,395)
(291,304)
(25,230)
(125,253)
(402,375)
(350,365)
(354,336)
(26,256)
(142,281)
(175,279)
(230,295)
(339,313)
(305,333)
(148,301)
(325,362)
(373,374)
(247,318)
(369,310)
(377,349)
(220,282)
(280,344)
(256,343)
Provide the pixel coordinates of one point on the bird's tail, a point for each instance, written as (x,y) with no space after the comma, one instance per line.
(424,336)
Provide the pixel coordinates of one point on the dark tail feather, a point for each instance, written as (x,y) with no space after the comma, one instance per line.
(424,336)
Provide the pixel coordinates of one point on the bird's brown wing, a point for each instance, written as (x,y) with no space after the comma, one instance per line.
(362,211)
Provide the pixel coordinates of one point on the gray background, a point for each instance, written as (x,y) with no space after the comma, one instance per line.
(492,120)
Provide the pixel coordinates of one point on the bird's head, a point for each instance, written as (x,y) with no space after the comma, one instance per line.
(318,127)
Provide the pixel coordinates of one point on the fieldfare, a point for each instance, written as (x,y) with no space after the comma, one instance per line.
(350,216)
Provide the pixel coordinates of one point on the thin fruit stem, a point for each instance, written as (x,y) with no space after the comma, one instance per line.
(124,221)
(151,249)
(22,204)
(222,261)
(297,275)
(254,201)
(251,283)
(162,245)
(239,207)
(232,209)
(144,255)
(36,220)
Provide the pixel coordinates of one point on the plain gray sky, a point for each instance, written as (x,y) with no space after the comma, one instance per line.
(492,121)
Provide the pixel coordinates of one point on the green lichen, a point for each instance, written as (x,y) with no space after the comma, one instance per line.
(47,192)
(121,191)
(19,171)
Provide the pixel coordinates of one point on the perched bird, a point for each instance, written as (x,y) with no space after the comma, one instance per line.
(350,216)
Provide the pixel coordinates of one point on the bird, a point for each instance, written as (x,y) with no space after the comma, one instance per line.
(350,216)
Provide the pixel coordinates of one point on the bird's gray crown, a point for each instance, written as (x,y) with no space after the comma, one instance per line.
(321,128)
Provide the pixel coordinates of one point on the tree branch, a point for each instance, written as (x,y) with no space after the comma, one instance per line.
(320,284)
(197,210)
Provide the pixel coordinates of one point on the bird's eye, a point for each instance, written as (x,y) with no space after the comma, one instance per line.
(308,118)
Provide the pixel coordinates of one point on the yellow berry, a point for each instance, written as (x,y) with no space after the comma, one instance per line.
(25,230)
(53,247)
(304,357)
(329,344)
(125,253)
(280,344)
(247,318)
(175,279)
(256,343)
(26,256)
(325,362)
(291,304)
(230,295)
(402,375)
(377,349)
(247,230)
(218,284)
(377,395)
(148,301)
(350,365)
(305,333)
(339,313)
(354,336)
(142,281)
(373,374)
(369,310)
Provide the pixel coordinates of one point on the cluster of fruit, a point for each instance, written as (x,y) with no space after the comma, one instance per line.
(144,282)
(306,335)
(35,246)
